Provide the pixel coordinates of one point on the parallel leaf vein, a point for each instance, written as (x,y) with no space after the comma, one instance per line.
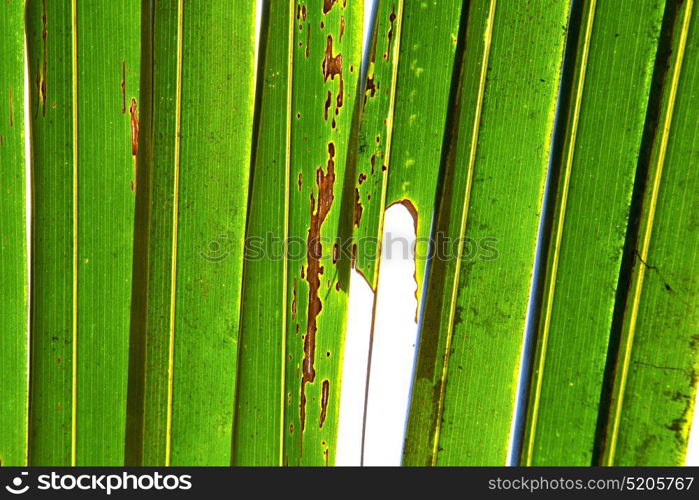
(74,383)
(175,228)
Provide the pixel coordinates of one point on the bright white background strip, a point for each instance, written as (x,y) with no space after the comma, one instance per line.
(354,372)
(395,336)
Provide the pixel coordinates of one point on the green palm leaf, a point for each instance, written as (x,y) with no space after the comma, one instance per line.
(258,438)
(194,170)
(592,206)
(327,42)
(655,379)
(13,241)
(84,60)
(472,332)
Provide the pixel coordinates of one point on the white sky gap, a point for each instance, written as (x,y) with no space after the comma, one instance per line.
(395,338)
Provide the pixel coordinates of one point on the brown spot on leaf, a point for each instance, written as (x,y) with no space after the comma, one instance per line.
(133,110)
(328,5)
(12,120)
(332,67)
(370,88)
(314,251)
(293,302)
(328,103)
(357,208)
(42,81)
(392,19)
(325,395)
(308,43)
(38,86)
(123,87)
